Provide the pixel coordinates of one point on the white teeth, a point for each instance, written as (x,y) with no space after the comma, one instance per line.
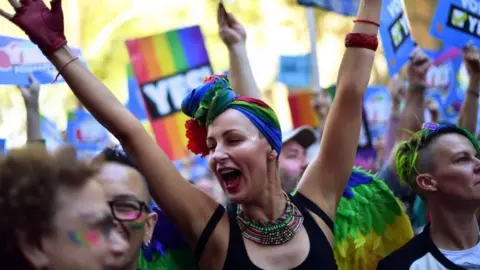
(225,171)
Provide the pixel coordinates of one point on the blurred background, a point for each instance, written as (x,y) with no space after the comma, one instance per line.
(274,27)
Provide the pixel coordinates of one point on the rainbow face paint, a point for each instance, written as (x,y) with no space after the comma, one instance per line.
(137,224)
(86,239)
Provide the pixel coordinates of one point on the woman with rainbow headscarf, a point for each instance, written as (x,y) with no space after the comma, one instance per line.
(440,162)
(264,228)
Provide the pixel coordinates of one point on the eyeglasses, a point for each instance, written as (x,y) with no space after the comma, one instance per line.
(128,210)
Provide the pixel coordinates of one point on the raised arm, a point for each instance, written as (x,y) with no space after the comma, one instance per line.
(469,112)
(233,35)
(326,177)
(189,207)
(412,116)
(30,96)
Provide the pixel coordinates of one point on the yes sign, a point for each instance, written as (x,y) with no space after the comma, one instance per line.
(457,22)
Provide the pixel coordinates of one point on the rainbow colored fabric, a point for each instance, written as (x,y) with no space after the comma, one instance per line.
(209,100)
(370,223)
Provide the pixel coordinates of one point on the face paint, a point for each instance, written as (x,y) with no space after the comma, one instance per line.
(137,224)
(86,239)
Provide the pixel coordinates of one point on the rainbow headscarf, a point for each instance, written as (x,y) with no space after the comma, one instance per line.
(212,98)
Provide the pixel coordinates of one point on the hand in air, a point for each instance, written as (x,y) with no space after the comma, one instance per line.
(396,87)
(231,31)
(30,93)
(417,68)
(471,56)
(43,26)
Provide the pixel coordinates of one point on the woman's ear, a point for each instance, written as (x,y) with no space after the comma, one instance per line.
(426,182)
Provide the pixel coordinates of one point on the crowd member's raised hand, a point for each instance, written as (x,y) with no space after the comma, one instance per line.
(233,35)
(471,56)
(469,110)
(417,69)
(30,96)
(42,25)
(230,30)
(30,93)
(396,87)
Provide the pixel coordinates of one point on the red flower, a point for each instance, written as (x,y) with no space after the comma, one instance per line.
(197,138)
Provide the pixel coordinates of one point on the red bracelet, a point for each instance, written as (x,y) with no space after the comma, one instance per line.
(63,68)
(367,22)
(359,40)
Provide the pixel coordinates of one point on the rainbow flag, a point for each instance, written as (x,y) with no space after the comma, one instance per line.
(301,109)
(168,66)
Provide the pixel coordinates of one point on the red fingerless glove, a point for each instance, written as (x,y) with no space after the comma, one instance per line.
(44,27)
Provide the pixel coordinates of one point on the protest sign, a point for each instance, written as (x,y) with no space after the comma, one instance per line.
(167,67)
(456,22)
(442,81)
(301,109)
(344,7)
(86,134)
(377,103)
(395,33)
(296,71)
(19,58)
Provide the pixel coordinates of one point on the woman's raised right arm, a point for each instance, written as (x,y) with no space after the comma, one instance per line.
(189,207)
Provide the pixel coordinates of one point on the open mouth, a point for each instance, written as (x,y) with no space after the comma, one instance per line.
(231,178)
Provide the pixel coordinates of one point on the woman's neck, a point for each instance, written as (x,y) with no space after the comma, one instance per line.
(453,229)
(271,203)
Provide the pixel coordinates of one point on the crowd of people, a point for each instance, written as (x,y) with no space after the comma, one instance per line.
(270,199)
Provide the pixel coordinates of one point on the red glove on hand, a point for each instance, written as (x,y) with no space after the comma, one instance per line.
(44,27)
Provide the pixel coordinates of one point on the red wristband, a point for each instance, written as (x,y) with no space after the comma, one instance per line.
(367,22)
(359,40)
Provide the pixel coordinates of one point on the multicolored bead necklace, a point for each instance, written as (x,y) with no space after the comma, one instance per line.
(271,232)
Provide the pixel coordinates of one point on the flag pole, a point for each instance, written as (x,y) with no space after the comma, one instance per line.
(312,31)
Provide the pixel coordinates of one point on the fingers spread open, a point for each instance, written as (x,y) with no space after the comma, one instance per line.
(15,4)
(5,14)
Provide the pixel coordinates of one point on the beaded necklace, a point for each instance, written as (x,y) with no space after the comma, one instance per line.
(272,232)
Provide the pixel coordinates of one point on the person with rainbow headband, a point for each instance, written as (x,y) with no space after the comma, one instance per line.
(441,163)
(263,227)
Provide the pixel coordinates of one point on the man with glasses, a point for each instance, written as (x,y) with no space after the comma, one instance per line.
(129,201)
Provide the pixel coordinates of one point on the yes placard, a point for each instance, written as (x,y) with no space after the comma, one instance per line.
(457,22)
(344,7)
(167,67)
(395,33)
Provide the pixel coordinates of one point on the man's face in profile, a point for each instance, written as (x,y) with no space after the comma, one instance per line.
(291,164)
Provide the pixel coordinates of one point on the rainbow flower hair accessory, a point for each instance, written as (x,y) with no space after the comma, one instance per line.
(213,97)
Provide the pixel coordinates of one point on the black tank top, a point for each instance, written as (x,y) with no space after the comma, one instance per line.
(320,255)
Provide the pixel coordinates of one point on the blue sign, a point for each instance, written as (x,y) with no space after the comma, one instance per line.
(377,103)
(442,82)
(395,33)
(3,147)
(19,58)
(135,101)
(457,22)
(344,7)
(85,133)
(296,71)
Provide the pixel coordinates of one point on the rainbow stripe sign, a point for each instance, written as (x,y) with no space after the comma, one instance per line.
(168,66)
